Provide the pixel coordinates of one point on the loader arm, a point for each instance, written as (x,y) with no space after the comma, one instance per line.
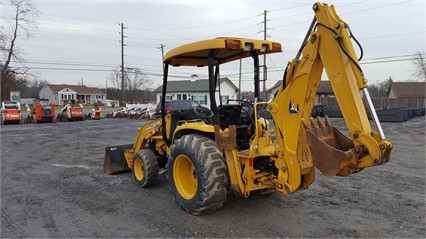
(120,158)
(150,131)
(301,141)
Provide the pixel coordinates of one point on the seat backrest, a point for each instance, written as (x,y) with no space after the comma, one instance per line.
(229,115)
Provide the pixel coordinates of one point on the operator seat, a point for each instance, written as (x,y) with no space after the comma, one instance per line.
(229,115)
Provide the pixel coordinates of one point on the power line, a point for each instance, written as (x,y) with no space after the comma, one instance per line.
(146,58)
(196,27)
(71,49)
(387,57)
(310,12)
(82,19)
(376,60)
(392,35)
(385,61)
(64,69)
(287,8)
(75,36)
(68,26)
(158,30)
(64,63)
(347,13)
(75,40)
(378,7)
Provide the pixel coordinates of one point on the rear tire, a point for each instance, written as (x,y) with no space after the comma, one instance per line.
(145,168)
(198,175)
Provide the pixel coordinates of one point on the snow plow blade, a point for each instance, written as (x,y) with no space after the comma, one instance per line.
(114,160)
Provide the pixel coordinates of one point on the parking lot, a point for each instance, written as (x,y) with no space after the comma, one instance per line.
(52,185)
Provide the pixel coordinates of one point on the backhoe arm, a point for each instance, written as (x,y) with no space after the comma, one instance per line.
(303,142)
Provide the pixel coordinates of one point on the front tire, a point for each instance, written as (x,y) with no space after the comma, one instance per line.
(145,168)
(198,174)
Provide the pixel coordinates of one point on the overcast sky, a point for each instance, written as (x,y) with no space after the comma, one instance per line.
(79,40)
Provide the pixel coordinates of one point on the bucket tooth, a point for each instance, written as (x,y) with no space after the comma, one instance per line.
(332,152)
(321,128)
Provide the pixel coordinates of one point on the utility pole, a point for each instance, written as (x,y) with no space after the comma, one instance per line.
(123,98)
(106,88)
(162,54)
(239,83)
(264,56)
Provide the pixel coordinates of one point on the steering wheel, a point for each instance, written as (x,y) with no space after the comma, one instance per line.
(203,112)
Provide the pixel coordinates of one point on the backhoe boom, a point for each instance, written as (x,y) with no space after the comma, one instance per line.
(302,140)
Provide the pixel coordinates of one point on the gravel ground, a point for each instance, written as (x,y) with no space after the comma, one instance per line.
(52,185)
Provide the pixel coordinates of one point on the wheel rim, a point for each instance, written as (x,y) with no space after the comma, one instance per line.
(138,169)
(185,177)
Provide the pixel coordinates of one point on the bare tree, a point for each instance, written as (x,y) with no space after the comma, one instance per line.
(134,81)
(35,86)
(381,88)
(115,78)
(23,20)
(419,63)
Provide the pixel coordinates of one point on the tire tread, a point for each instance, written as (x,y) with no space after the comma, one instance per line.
(150,166)
(211,166)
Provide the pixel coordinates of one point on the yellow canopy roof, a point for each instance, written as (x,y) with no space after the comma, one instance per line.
(226,49)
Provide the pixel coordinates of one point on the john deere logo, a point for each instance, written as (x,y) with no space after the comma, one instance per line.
(293,109)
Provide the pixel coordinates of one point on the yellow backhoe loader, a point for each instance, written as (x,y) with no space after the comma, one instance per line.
(267,146)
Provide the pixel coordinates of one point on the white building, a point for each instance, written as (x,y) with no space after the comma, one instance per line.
(58,94)
(198,91)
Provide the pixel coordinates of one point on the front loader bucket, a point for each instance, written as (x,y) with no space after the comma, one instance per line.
(114,160)
(332,152)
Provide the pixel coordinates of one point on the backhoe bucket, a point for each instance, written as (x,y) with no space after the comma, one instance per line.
(114,160)
(332,152)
